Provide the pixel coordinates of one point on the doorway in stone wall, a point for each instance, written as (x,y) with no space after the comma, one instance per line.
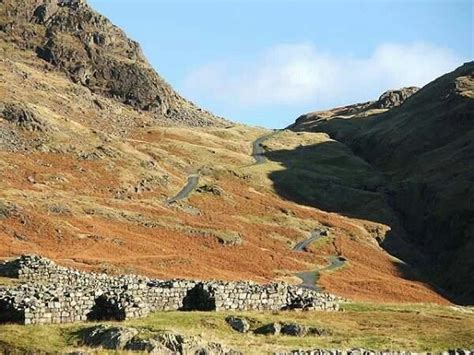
(199,298)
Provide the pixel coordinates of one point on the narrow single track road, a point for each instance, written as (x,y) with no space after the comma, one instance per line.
(258,152)
(193,180)
(310,278)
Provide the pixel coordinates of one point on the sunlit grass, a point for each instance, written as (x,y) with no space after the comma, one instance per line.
(372,326)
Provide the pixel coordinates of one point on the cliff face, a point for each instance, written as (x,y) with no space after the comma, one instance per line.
(87,47)
(425,147)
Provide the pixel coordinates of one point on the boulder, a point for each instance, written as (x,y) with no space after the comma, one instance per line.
(212,189)
(5,210)
(269,329)
(109,337)
(316,331)
(150,346)
(239,324)
(178,343)
(294,329)
(23,117)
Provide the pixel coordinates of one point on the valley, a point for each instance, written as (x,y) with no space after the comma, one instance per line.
(104,168)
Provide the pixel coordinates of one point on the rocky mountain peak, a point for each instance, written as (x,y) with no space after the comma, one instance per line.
(92,52)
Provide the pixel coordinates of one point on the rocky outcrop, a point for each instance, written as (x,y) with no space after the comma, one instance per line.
(269,329)
(126,338)
(239,324)
(53,294)
(22,117)
(393,98)
(114,338)
(290,329)
(92,52)
(323,121)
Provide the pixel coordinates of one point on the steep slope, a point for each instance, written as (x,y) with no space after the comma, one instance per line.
(425,149)
(86,46)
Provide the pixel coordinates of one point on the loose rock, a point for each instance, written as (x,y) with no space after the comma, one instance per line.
(269,329)
(238,324)
(293,329)
(114,338)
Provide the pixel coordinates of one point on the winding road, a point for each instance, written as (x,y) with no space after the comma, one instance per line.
(310,278)
(314,235)
(193,180)
(258,152)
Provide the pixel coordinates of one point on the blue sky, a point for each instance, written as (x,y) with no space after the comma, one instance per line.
(266,62)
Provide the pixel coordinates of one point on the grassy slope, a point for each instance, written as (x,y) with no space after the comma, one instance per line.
(413,327)
(75,198)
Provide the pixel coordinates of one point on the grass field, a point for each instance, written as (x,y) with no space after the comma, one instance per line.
(371,326)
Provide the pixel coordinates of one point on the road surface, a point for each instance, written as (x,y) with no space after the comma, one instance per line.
(314,235)
(258,152)
(193,180)
(310,278)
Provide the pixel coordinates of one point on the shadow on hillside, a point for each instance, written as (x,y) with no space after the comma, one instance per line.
(328,176)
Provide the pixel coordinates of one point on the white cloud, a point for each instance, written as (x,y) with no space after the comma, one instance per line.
(293,74)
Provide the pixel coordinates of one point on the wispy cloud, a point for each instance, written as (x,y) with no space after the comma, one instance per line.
(292,74)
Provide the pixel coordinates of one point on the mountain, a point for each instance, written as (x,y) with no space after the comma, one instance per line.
(104,167)
(424,149)
(91,51)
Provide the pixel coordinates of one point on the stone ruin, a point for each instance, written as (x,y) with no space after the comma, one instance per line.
(49,294)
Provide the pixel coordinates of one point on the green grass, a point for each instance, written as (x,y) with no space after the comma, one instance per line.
(397,327)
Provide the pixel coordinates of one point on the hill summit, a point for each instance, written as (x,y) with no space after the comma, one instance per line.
(91,51)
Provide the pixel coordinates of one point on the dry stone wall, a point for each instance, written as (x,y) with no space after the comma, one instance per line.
(50,293)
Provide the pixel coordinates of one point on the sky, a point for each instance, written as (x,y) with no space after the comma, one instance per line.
(265,62)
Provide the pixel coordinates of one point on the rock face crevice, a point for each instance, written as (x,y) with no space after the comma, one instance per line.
(51,294)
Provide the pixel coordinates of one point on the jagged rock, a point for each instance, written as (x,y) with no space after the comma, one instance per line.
(212,189)
(59,209)
(23,117)
(239,324)
(121,338)
(218,349)
(107,337)
(316,331)
(178,343)
(293,329)
(269,329)
(393,98)
(150,346)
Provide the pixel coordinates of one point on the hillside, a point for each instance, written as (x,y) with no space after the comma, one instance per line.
(95,148)
(423,150)
(360,216)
